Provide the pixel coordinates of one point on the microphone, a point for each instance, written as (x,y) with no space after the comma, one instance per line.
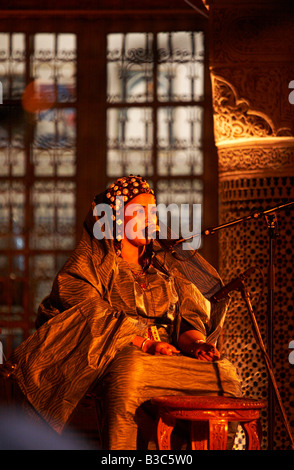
(152,232)
(155,234)
(235,284)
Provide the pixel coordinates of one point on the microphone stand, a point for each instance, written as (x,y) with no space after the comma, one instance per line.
(272,224)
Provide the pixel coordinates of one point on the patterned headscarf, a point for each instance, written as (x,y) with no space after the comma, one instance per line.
(122,192)
(128,187)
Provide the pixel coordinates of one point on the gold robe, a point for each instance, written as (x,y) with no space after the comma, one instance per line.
(86,325)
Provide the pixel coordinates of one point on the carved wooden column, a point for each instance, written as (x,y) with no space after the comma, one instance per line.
(252,64)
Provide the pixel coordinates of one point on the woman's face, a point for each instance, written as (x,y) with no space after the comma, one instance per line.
(140,219)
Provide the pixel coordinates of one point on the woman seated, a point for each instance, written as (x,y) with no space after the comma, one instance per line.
(126,316)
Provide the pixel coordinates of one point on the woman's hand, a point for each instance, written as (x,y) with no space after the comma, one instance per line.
(205,351)
(192,343)
(159,348)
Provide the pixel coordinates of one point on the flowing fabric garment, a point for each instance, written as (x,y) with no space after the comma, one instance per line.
(98,303)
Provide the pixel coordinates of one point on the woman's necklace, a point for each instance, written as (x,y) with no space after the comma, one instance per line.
(144,285)
(152,329)
(137,276)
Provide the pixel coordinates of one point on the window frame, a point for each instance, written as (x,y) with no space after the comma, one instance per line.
(153,24)
(91,108)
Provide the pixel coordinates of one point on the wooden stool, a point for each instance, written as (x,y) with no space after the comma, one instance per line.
(208,417)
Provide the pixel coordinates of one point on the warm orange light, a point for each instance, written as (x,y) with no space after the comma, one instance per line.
(38,96)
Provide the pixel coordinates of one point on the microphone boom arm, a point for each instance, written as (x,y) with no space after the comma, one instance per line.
(254,215)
